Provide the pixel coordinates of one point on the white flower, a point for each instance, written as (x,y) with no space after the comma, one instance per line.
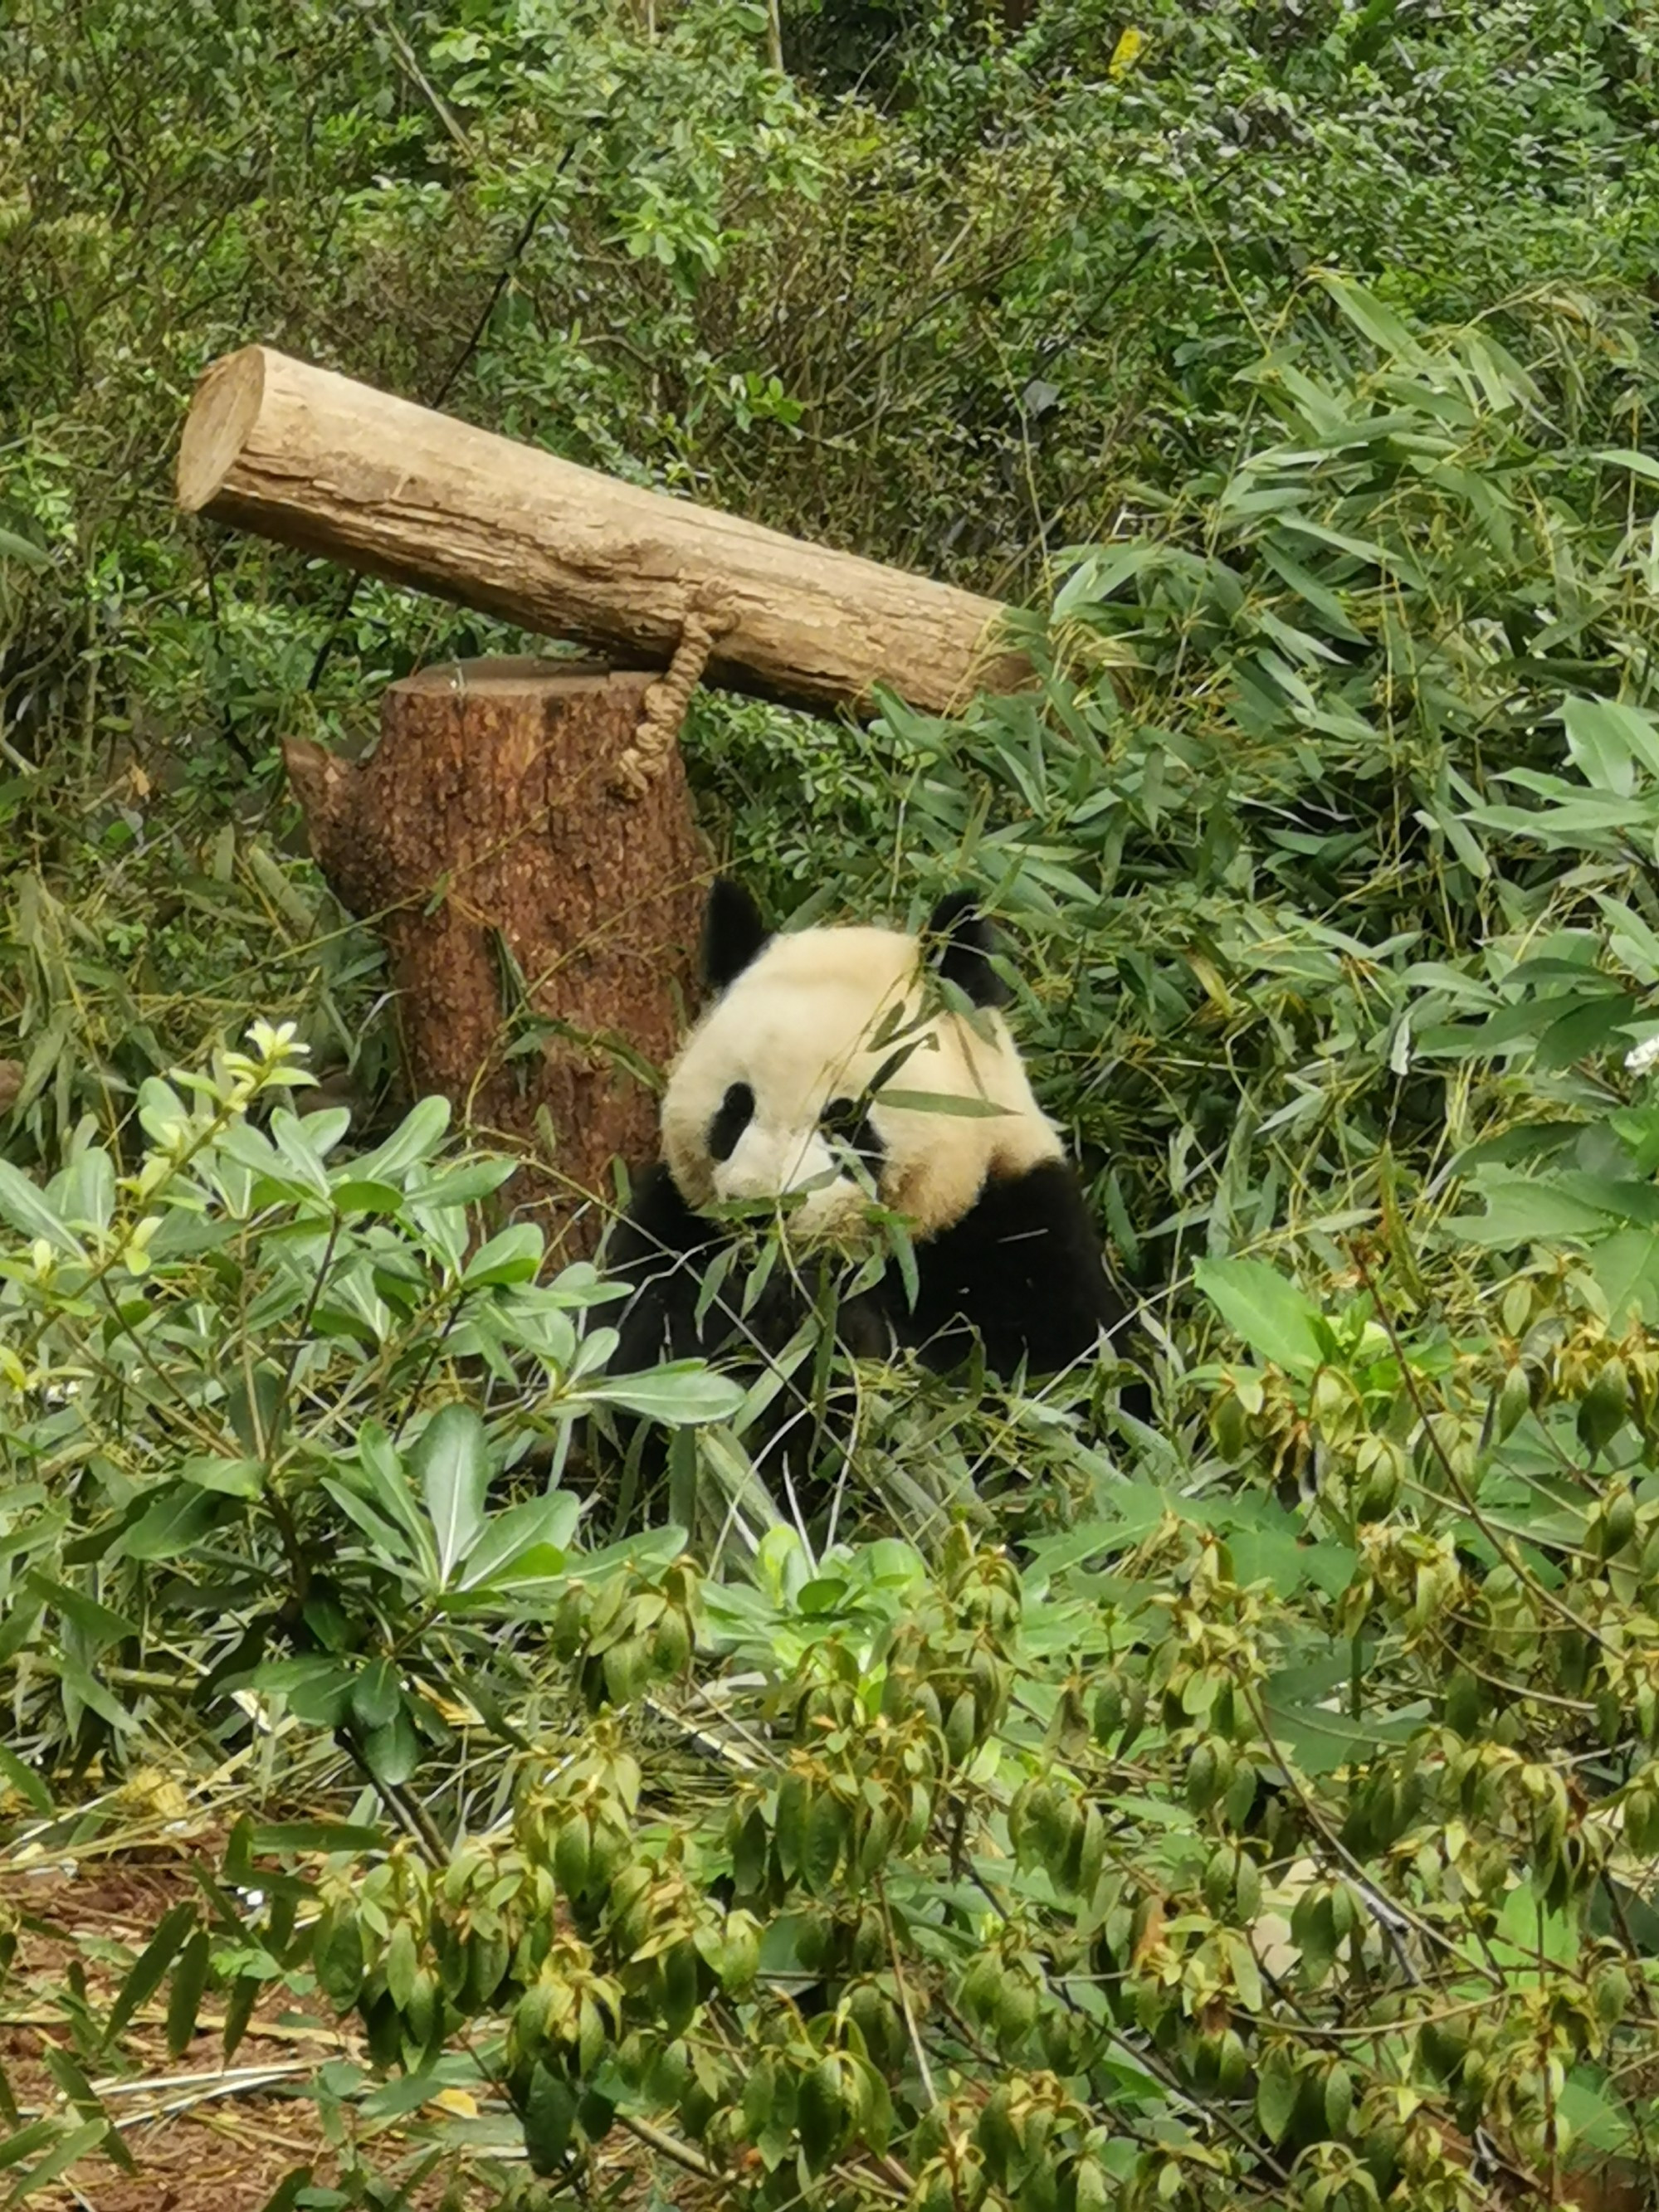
(1643,1056)
(274,1044)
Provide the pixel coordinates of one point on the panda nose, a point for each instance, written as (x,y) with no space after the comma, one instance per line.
(764,1165)
(812,1159)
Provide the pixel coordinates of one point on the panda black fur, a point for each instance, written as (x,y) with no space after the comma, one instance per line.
(786,1073)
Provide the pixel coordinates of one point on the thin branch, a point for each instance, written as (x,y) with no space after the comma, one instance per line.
(659,2139)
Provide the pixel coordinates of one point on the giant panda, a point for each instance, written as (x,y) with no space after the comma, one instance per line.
(789,1095)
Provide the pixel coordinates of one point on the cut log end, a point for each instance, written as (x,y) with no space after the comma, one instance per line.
(224,409)
(516,676)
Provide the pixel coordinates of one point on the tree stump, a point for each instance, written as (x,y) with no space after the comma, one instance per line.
(539,882)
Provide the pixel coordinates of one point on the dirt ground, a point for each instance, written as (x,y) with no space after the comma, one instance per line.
(202,2138)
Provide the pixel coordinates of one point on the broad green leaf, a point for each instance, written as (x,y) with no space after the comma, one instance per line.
(452,1465)
(1601,2120)
(323,1126)
(1517,1023)
(1267,1311)
(416,1139)
(1598,739)
(1268,1555)
(1588,1029)
(1625,1267)
(356,1193)
(1632,940)
(256,1405)
(1247,1973)
(513,1256)
(1520,1213)
(1625,457)
(1521,1924)
(392,1753)
(251,1149)
(317,1687)
(684,1391)
(162,1115)
(233,1478)
(377,1695)
(1623,1198)
(649,1553)
(1373,320)
(24,1206)
(337,1960)
(293,1140)
(550,2114)
(1320,1739)
(1590,823)
(461,1185)
(387,1483)
(392,2100)
(85,1192)
(534,1526)
(824,1837)
(389,1543)
(171,1525)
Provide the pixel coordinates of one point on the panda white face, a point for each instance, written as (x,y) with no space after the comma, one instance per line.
(792,1074)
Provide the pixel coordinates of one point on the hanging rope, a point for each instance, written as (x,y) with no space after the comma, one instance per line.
(707,620)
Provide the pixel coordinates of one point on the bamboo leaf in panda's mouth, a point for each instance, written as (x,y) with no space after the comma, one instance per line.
(935,1102)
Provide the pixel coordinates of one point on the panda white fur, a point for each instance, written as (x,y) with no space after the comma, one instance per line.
(796,1072)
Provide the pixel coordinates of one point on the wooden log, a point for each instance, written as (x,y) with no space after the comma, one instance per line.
(491,839)
(336,467)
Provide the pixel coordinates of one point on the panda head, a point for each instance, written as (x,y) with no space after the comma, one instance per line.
(793,1084)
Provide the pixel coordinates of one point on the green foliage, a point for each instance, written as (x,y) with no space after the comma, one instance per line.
(1246,831)
(238,1385)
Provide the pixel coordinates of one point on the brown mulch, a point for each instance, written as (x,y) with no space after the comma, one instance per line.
(203,2138)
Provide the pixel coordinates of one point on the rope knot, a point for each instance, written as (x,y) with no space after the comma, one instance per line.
(707,619)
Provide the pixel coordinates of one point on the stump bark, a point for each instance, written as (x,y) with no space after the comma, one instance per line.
(540,893)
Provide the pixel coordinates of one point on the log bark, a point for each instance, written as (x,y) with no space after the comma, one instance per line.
(335,467)
(492,838)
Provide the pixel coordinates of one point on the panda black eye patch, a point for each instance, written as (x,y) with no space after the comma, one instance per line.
(734,1114)
(846,1119)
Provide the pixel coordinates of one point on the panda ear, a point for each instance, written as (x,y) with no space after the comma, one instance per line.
(733,932)
(960,942)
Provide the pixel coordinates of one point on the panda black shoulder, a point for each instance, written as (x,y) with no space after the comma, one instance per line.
(661,1247)
(1024,1268)
(734,933)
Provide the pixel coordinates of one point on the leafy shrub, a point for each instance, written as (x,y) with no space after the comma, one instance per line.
(239,1384)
